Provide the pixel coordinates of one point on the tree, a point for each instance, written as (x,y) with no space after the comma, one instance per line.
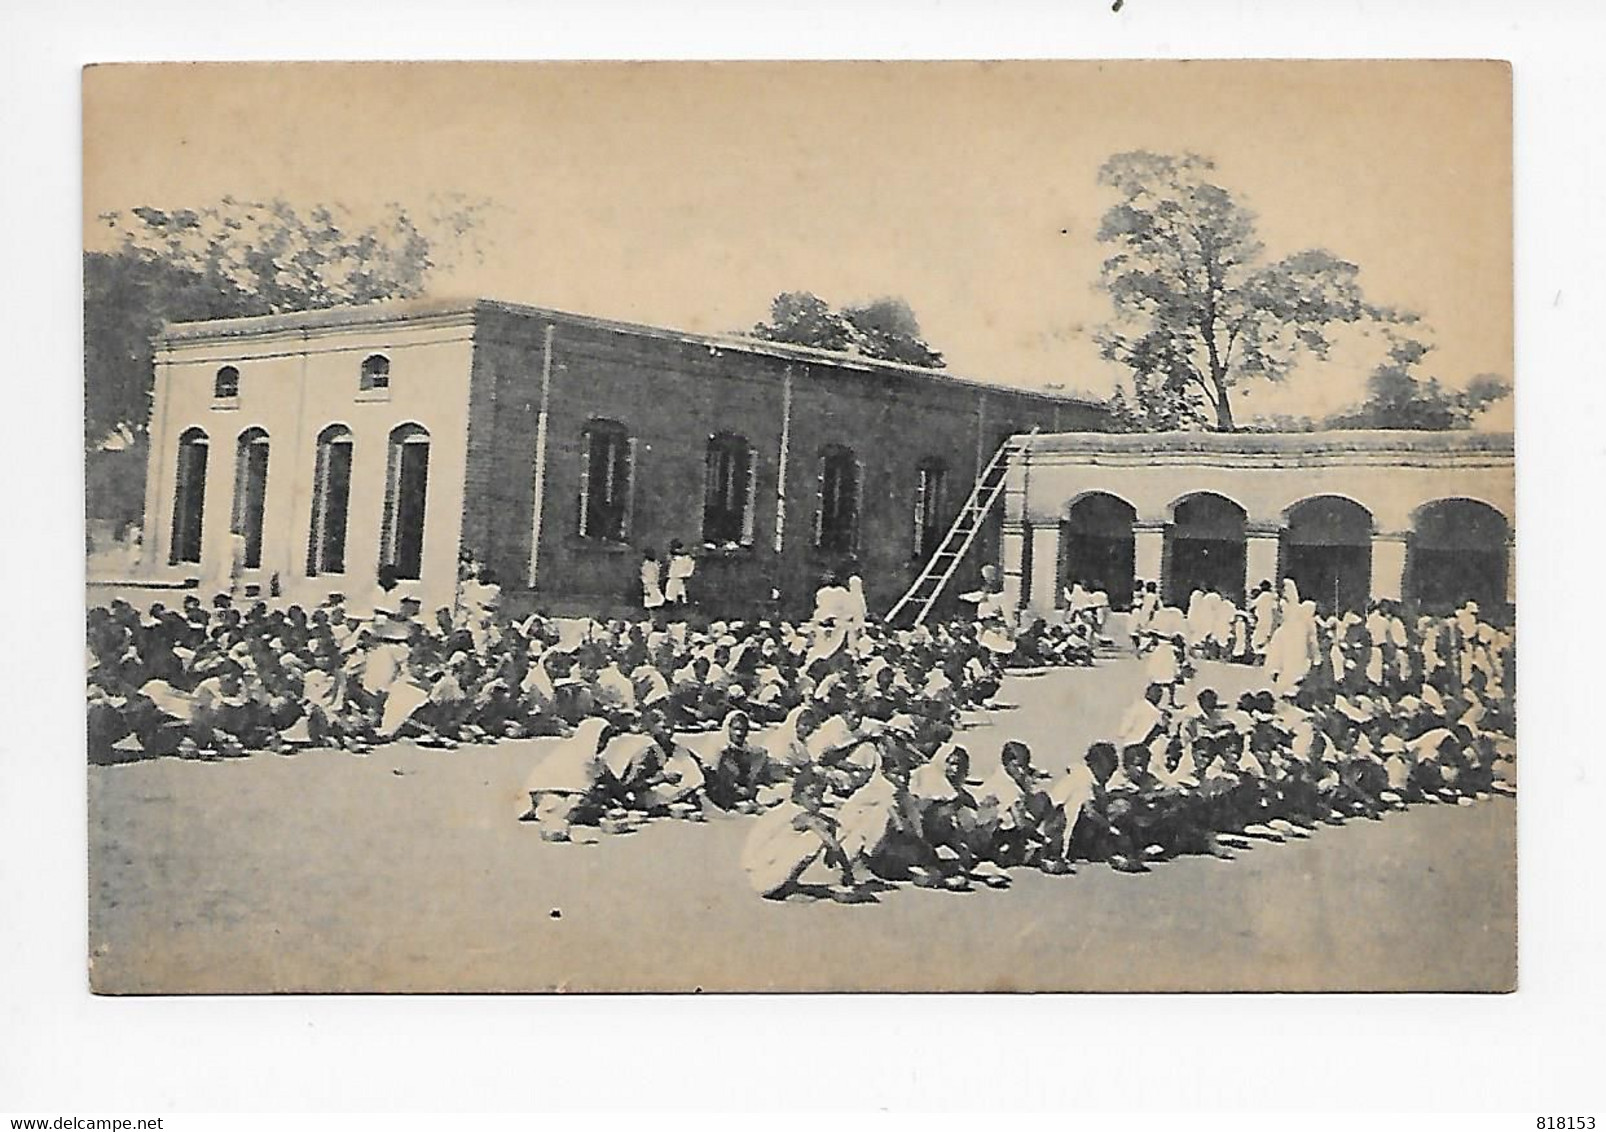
(239,258)
(884,328)
(887,329)
(804,319)
(1159,403)
(1397,399)
(1197,310)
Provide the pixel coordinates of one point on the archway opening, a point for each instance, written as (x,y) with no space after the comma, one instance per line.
(1096,546)
(406,492)
(1326,548)
(1204,549)
(250,493)
(331,501)
(1457,553)
(189,499)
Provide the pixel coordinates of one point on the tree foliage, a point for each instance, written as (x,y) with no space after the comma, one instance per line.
(238,258)
(884,328)
(1396,398)
(1198,310)
(1157,403)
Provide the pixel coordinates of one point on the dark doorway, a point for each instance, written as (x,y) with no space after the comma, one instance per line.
(728,491)
(331,497)
(250,493)
(836,516)
(189,498)
(1326,549)
(409,483)
(1096,546)
(1204,549)
(1457,553)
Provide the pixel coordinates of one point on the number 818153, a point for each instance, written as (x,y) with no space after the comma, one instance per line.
(1565,1123)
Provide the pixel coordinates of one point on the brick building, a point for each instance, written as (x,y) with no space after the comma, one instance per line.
(313,447)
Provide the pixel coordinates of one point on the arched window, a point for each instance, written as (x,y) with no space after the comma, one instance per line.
(226,385)
(836,516)
(607,469)
(931,483)
(401,541)
(189,498)
(250,493)
(331,499)
(375,373)
(728,491)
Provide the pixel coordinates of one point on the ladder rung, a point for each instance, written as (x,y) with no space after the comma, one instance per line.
(984,495)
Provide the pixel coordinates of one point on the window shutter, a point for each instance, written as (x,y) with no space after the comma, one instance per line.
(710,488)
(921,486)
(197,490)
(242,480)
(858,496)
(387,530)
(750,492)
(320,506)
(587,438)
(177,540)
(819,503)
(629,490)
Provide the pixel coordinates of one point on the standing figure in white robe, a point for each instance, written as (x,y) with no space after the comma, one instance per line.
(1146,603)
(1198,619)
(1263,615)
(1291,652)
(652,594)
(681,568)
(1377,628)
(1100,608)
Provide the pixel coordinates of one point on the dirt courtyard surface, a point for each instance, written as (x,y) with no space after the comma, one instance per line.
(407,871)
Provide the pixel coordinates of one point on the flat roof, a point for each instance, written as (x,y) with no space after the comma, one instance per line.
(428,310)
(1333,441)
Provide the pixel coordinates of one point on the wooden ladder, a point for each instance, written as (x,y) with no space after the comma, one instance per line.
(951,551)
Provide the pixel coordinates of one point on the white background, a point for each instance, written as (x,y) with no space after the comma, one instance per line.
(1538,1051)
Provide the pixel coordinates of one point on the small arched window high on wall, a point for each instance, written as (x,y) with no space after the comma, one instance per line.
(189,498)
(375,373)
(226,384)
(331,499)
(836,514)
(250,493)
(401,540)
(607,469)
(728,491)
(931,486)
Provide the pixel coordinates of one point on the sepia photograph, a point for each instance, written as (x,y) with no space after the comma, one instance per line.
(800,527)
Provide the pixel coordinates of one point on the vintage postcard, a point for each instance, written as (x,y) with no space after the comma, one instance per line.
(800,527)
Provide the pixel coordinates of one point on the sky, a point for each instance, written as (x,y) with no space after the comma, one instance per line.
(689,194)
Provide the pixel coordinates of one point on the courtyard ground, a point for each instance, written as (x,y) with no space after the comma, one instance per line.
(407,871)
